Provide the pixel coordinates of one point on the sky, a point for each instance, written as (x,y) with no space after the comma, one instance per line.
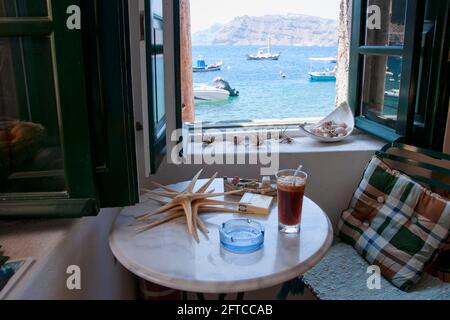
(205,13)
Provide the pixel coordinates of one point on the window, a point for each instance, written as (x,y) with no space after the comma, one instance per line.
(66,146)
(267,52)
(396,69)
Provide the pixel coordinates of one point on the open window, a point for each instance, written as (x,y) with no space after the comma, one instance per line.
(257,65)
(396,69)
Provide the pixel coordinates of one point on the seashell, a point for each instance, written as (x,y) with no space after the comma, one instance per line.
(335,127)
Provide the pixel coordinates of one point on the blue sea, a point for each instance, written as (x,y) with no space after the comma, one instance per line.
(264,94)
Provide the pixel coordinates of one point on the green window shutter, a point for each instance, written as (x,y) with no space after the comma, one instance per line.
(108,74)
(45,161)
(406,109)
(70,93)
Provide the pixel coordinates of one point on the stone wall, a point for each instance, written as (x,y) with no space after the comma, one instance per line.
(344,33)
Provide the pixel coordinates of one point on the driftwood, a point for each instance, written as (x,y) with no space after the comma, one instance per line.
(252,186)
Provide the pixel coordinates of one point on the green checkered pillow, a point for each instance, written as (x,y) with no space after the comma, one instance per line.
(395,223)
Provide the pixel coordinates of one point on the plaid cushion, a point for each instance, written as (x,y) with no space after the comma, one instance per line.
(395,223)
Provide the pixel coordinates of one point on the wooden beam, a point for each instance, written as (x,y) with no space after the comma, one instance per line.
(187,85)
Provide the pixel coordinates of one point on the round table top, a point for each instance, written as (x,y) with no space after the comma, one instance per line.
(167,255)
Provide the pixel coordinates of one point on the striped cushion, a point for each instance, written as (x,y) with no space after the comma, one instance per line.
(395,223)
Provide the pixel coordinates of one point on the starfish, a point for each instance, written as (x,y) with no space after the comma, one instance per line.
(189,204)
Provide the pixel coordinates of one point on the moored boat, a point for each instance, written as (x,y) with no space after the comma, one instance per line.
(326,59)
(204,92)
(203,67)
(391,98)
(264,53)
(323,75)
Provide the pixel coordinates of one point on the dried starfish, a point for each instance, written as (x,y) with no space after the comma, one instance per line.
(187,203)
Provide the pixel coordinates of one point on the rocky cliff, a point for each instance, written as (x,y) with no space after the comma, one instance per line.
(291,29)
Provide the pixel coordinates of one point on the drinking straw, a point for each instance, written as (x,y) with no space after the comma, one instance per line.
(297,172)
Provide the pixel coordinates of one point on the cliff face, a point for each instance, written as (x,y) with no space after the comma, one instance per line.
(291,29)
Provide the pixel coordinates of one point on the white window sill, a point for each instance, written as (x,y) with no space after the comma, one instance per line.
(358,141)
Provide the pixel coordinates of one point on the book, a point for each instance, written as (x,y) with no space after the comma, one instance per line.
(255,204)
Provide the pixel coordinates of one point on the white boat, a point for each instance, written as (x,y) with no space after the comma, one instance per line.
(326,59)
(393,93)
(264,53)
(323,75)
(204,92)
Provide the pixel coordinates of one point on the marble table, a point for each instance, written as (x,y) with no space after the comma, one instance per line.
(168,256)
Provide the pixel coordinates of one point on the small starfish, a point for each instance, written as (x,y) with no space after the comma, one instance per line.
(189,204)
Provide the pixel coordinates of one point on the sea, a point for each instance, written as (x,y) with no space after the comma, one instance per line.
(264,93)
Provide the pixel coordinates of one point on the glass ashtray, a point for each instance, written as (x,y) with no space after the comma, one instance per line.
(242,235)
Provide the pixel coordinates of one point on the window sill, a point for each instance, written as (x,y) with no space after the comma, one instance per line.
(254,124)
(358,141)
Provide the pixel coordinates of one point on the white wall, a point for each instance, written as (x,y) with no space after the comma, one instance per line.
(57,244)
(334,170)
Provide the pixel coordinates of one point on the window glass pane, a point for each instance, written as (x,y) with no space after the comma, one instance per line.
(381,88)
(30,148)
(23,8)
(159,103)
(393,16)
(159,69)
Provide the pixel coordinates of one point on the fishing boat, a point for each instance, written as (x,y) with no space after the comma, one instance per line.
(204,92)
(325,59)
(265,53)
(203,67)
(326,75)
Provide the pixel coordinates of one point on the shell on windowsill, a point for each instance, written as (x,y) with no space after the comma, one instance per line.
(336,127)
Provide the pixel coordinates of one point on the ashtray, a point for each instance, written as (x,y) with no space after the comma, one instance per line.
(242,235)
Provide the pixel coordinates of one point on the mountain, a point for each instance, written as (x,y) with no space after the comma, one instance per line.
(290,29)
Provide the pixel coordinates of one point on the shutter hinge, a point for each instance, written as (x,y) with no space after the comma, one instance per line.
(142,25)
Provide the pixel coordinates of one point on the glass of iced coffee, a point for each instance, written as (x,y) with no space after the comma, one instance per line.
(291,189)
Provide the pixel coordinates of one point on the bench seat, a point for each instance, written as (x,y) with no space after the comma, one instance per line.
(342,275)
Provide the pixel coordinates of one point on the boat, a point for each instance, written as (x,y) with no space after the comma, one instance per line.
(204,92)
(391,98)
(264,53)
(203,67)
(221,83)
(323,75)
(326,59)
(393,93)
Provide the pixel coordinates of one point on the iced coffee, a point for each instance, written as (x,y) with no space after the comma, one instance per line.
(291,189)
